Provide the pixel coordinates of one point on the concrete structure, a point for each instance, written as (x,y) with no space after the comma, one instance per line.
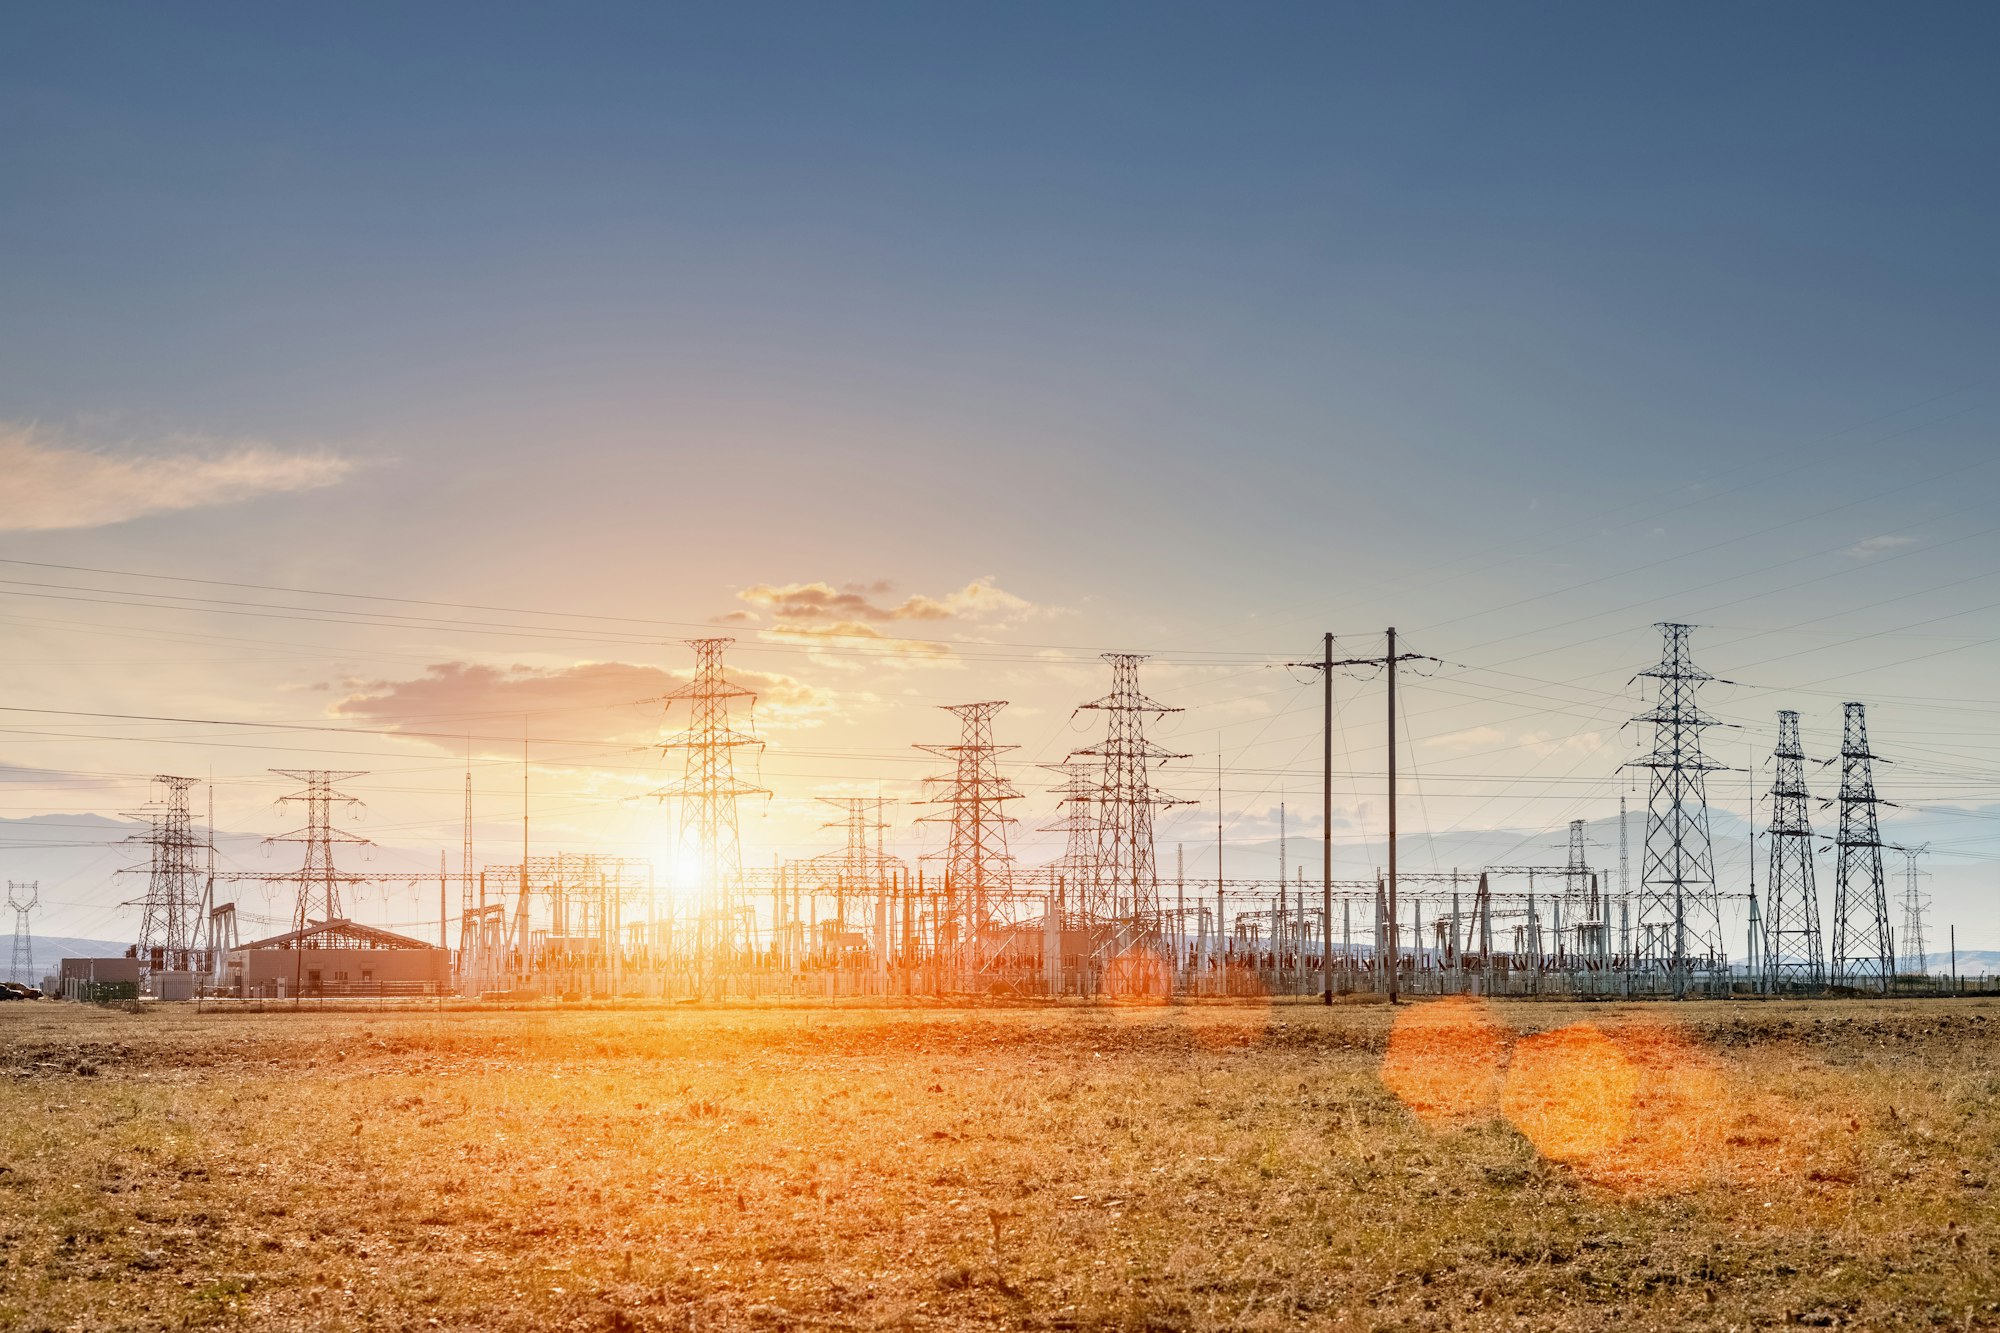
(337,958)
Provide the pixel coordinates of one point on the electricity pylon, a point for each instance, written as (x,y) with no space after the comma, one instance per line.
(708,790)
(979,870)
(1128,876)
(170,924)
(1864,950)
(23,898)
(1680,923)
(863,865)
(1793,956)
(1914,949)
(318,879)
(1076,871)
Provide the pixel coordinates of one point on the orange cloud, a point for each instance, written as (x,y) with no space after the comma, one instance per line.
(592,701)
(55,484)
(852,634)
(819,602)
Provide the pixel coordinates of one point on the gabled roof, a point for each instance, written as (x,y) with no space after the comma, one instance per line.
(339,934)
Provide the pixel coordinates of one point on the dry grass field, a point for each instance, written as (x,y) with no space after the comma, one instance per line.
(1717,1165)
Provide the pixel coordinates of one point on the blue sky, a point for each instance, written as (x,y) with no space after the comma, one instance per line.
(1196,328)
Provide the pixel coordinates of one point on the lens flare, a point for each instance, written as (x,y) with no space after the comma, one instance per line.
(1445,1059)
(1570,1092)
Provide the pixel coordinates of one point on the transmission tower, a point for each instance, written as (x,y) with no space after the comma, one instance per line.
(979,871)
(23,898)
(1128,882)
(863,865)
(1680,923)
(1077,822)
(708,790)
(1576,877)
(1864,951)
(1793,956)
(318,880)
(171,924)
(1915,949)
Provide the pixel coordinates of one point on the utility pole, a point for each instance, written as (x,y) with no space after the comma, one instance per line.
(1388,662)
(1326,822)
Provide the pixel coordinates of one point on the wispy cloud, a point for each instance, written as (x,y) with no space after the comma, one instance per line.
(852,634)
(807,603)
(56,483)
(1464,739)
(848,616)
(590,701)
(1861,550)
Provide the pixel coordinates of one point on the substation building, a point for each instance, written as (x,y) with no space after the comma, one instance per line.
(336,958)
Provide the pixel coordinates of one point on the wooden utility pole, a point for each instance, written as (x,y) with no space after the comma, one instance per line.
(1326,822)
(1326,665)
(1395,955)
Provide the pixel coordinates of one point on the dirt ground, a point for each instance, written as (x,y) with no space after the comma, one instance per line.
(1705,1165)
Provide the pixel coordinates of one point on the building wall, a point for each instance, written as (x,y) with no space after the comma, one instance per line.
(101,971)
(262,971)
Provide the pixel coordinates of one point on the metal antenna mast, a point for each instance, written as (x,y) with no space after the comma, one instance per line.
(319,883)
(23,961)
(978,869)
(1915,948)
(170,927)
(1864,951)
(1128,873)
(1793,956)
(1680,923)
(708,790)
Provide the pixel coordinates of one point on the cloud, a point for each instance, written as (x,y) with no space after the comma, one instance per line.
(55,484)
(590,701)
(852,634)
(809,603)
(1861,550)
(1542,744)
(1473,736)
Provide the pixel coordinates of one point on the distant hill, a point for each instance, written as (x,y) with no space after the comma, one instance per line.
(1971,962)
(46,952)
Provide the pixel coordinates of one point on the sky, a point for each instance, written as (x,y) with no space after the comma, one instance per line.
(931,351)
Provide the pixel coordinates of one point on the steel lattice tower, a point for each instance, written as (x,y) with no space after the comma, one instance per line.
(1577,889)
(22,964)
(979,870)
(1127,883)
(863,865)
(1793,955)
(170,924)
(708,790)
(1915,949)
(1077,869)
(1864,950)
(1679,925)
(318,880)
